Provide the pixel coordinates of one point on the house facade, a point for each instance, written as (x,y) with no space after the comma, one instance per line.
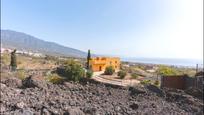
(100,63)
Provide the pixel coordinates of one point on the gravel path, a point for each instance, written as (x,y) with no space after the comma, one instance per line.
(114,81)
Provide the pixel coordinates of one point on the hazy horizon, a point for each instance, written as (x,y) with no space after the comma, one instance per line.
(143,28)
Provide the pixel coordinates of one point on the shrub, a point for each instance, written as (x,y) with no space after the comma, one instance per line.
(19,62)
(141,67)
(21,74)
(134,75)
(89,74)
(167,71)
(145,82)
(54,78)
(49,57)
(109,70)
(156,83)
(5,59)
(122,74)
(71,71)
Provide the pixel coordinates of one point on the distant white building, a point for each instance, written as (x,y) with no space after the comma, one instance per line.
(126,65)
(30,53)
(38,55)
(6,50)
(19,52)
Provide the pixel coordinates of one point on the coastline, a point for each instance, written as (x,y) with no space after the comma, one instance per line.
(190,63)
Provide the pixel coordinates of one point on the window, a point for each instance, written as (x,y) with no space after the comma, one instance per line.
(116,67)
(110,62)
(100,68)
(115,61)
(103,58)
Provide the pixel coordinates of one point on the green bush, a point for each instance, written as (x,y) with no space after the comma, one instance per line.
(71,70)
(109,70)
(89,73)
(145,82)
(167,71)
(54,78)
(122,74)
(134,76)
(156,83)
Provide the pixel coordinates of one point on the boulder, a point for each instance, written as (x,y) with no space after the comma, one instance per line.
(156,90)
(74,111)
(33,81)
(90,110)
(23,112)
(134,106)
(195,92)
(20,105)
(12,82)
(136,91)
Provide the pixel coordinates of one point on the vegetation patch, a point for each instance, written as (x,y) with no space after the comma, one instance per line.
(134,75)
(71,70)
(122,74)
(167,71)
(156,83)
(55,78)
(21,74)
(145,82)
(109,70)
(5,59)
(89,73)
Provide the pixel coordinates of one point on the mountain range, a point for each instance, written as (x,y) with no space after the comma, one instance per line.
(21,41)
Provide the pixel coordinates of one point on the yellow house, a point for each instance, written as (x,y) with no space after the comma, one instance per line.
(100,63)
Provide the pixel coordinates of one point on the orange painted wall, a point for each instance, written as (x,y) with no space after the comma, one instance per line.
(100,63)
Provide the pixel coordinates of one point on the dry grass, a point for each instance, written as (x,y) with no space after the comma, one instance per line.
(4,75)
(21,74)
(25,62)
(54,78)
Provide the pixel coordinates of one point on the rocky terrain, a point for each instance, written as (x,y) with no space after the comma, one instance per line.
(35,96)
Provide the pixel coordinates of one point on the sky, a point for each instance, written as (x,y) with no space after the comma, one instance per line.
(127,28)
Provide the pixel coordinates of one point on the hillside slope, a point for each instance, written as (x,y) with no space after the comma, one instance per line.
(18,40)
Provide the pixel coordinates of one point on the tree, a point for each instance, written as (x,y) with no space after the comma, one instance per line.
(109,70)
(13,63)
(88,59)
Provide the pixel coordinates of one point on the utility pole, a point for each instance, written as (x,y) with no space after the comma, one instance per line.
(196,76)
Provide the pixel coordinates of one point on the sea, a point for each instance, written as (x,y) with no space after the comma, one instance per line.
(167,61)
